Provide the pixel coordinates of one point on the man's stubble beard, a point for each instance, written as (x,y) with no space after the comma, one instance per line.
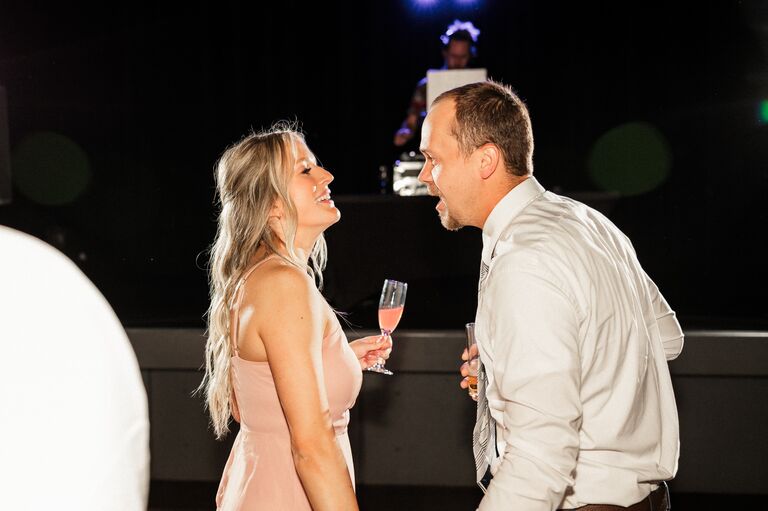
(447,221)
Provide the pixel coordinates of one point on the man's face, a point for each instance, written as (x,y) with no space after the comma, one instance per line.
(457,54)
(446,171)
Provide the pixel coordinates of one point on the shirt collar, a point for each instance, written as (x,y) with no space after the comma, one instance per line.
(505,210)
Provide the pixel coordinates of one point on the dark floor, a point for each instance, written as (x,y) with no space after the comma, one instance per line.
(184,496)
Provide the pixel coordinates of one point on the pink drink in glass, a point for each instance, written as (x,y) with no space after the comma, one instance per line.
(391,305)
(389,318)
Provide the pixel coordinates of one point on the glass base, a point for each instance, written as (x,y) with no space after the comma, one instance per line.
(379,368)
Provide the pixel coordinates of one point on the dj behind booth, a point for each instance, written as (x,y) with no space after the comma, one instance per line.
(406,169)
(459,49)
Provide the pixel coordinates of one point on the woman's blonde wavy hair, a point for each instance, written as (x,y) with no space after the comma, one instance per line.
(251,177)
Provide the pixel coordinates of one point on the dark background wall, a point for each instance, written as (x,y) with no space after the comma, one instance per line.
(118,111)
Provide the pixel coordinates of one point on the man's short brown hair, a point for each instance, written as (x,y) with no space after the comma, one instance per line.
(489,112)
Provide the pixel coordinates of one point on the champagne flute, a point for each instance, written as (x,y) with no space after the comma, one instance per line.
(391,306)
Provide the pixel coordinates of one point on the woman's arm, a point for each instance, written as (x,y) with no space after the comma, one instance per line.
(288,317)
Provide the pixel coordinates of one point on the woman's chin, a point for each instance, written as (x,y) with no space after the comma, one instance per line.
(331,217)
(336,219)
(332,210)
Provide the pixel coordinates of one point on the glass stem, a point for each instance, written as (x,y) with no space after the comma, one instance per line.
(380,361)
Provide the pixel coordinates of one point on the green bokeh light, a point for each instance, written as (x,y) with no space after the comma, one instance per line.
(763,111)
(631,159)
(50,169)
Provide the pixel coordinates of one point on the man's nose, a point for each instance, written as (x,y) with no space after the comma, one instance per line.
(425,176)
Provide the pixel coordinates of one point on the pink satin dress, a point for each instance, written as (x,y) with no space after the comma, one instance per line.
(260,474)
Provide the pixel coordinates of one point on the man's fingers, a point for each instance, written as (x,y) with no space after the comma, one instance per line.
(464,354)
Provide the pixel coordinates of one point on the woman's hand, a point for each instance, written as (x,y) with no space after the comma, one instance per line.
(372,348)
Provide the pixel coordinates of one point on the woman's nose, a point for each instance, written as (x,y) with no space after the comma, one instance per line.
(327,177)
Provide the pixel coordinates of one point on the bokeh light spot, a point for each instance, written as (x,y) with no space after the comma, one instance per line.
(631,159)
(424,6)
(763,112)
(50,169)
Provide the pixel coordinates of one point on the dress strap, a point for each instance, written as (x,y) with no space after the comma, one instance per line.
(237,298)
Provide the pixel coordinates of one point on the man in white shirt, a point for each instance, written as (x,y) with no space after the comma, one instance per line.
(576,406)
(74,427)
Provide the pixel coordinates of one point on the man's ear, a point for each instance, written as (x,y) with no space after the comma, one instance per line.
(490,158)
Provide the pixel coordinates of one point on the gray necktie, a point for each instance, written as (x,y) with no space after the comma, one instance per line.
(485,427)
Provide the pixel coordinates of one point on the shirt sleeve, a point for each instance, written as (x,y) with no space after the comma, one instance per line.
(669,328)
(533,334)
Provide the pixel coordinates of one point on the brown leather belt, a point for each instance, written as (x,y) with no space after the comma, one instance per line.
(657,500)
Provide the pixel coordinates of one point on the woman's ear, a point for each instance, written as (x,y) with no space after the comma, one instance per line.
(277,210)
(489,160)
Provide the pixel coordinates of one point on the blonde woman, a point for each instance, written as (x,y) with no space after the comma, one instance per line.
(277,359)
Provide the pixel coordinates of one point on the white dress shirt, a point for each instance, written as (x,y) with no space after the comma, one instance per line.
(74,428)
(575,340)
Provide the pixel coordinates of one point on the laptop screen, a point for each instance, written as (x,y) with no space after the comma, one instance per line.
(441,80)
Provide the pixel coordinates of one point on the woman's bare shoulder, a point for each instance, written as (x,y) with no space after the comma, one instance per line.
(281,306)
(277,284)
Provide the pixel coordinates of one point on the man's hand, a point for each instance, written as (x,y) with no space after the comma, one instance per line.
(464,370)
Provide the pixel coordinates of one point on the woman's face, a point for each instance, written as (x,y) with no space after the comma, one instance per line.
(309,191)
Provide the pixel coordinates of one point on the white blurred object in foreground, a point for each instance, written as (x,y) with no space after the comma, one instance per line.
(74,428)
